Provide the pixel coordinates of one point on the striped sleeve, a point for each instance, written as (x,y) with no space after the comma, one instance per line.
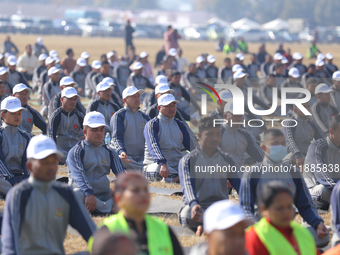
(318,134)
(316,116)
(4,171)
(118,130)
(189,140)
(247,194)
(53,123)
(116,163)
(289,133)
(335,209)
(38,120)
(253,149)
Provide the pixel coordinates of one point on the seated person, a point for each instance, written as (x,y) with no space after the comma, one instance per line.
(274,146)
(166,139)
(4,79)
(38,223)
(218,112)
(211,70)
(79,75)
(311,86)
(201,189)
(50,89)
(127,127)
(13,147)
(150,98)
(2,91)
(90,88)
(31,116)
(292,82)
(225,72)
(65,125)
(137,79)
(334,209)
(14,76)
(87,175)
(335,94)
(265,92)
(322,111)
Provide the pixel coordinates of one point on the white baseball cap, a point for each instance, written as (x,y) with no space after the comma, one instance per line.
(81,62)
(3,70)
(67,80)
(240,56)
(94,119)
(12,60)
(322,88)
(143,54)
(166,100)
(297,56)
(320,56)
(69,92)
(102,86)
(109,80)
(336,76)
(163,88)
(42,57)
(284,60)
(49,60)
(172,52)
(12,104)
(40,41)
(96,64)
(222,215)
(57,60)
(329,56)
(53,53)
(211,59)
(137,66)
(236,68)
(84,55)
(42,146)
(161,79)
(21,87)
(52,70)
(294,72)
(239,74)
(199,59)
(225,95)
(278,56)
(110,54)
(131,90)
(319,62)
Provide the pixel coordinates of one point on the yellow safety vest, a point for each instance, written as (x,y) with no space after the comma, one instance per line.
(159,240)
(277,244)
(314,49)
(242,46)
(227,49)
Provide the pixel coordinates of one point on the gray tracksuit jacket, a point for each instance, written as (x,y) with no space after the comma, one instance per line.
(36,218)
(139,81)
(288,84)
(79,78)
(90,88)
(265,93)
(13,143)
(106,108)
(36,74)
(121,73)
(89,165)
(49,90)
(17,77)
(30,117)
(55,103)
(65,128)
(127,132)
(165,139)
(323,155)
(322,113)
(335,98)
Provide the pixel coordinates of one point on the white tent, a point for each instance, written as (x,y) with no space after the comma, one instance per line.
(276,24)
(218,21)
(245,23)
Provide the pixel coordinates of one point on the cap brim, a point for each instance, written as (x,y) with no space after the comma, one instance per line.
(162,92)
(324,92)
(176,101)
(12,63)
(103,89)
(70,96)
(46,153)
(227,223)
(96,66)
(95,125)
(29,90)
(67,84)
(141,92)
(2,73)
(295,76)
(15,110)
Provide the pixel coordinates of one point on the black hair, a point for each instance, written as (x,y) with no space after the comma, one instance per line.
(311,80)
(1,82)
(227,59)
(105,62)
(192,64)
(271,75)
(205,123)
(334,122)
(270,190)
(311,65)
(174,73)
(278,65)
(28,45)
(273,131)
(68,51)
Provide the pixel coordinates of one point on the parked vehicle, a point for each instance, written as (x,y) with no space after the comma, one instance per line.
(24,24)
(252,35)
(46,26)
(90,27)
(6,25)
(195,33)
(113,28)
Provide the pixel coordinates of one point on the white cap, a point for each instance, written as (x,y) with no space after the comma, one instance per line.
(161,79)
(319,62)
(336,76)
(278,56)
(94,119)
(53,53)
(42,57)
(69,92)
(163,88)
(102,86)
(49,60)
(131,90)
(40,41)
(137,66)
(57,60)
(322,88)
(110,54)
(52,70)
(1,56)
(12,60)
(236,68)
(294,72)
(225,95)
(67,80)
(320,56)
(109,80)
(240,56)
(143,54)
(12,104)
(329,56)
(166,99)
(42,146)
(172,52)
(21,87)
(3,70)
(211,59)
(199,59)
(222,215)
(85,55)
(297,56)
(96,64)
(239,74)
(284,60)
(7,54)
(81,62)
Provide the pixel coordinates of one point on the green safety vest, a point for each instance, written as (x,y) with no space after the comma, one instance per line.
(159,240)
(227,49)
(314,49)
(277,244)
(242,46)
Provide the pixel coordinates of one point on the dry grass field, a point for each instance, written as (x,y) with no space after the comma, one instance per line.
(97,46)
